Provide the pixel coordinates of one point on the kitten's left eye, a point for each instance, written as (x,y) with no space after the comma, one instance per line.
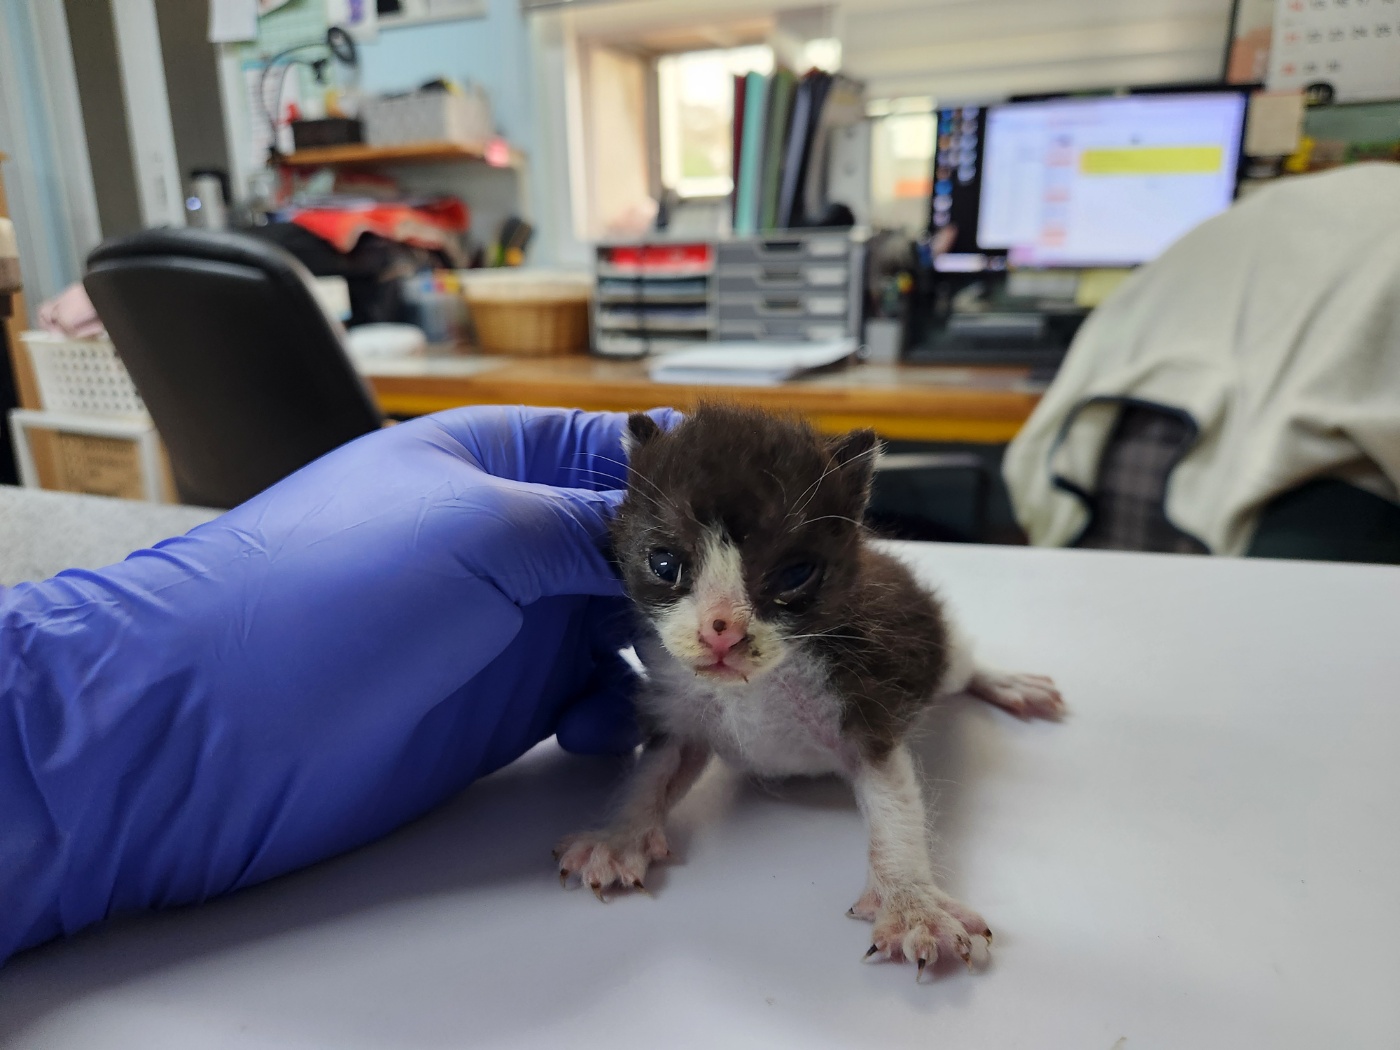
(665,565)
(794,577)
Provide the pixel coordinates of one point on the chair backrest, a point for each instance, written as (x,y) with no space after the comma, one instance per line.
(1129,501)
(245,376)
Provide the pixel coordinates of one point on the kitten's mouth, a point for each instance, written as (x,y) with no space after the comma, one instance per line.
(724,671)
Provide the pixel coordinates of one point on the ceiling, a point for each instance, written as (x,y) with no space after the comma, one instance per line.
(953,50)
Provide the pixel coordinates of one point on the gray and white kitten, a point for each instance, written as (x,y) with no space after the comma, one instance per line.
(780,639)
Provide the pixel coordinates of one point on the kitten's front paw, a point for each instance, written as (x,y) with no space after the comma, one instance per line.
(1024,695)
(603,859)
(923,928)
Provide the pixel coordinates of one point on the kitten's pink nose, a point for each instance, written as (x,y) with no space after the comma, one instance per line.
(723,633)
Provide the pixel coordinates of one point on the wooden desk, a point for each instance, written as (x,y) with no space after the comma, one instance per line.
(902,402)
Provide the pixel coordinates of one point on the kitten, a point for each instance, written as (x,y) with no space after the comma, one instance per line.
(780,639)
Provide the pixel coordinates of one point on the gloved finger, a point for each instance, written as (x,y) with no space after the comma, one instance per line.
(534,541)
(546,446)
(602,720)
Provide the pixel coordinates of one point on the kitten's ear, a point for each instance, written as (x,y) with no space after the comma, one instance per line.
(641,428)
(855,454)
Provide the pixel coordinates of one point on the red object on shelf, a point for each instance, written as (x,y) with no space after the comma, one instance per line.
(670,258)
(425,226)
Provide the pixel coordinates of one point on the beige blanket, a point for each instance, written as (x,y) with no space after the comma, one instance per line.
(1276,326)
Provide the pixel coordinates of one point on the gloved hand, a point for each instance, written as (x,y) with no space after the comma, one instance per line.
(312,669)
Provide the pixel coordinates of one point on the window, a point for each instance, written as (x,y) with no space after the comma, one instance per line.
(695,102)
(901,163)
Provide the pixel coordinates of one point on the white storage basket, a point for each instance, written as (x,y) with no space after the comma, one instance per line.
(429,116)
(81,376)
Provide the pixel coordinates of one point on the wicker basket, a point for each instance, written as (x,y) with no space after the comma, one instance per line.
(82,376)
(529,313)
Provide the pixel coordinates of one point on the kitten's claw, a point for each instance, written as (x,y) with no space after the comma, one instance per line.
(604,860)
(922,927)
(866,907)
(1026,696)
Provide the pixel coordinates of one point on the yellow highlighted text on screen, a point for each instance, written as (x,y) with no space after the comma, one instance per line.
(1152,160)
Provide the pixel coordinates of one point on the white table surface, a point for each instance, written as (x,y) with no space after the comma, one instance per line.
(1205,854)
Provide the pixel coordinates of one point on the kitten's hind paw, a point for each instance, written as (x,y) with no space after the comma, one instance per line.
(603,860)
(1024,695)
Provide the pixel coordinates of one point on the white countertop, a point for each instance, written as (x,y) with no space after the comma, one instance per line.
(1205,854)
(43,532)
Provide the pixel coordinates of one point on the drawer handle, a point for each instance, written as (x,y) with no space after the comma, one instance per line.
(782,304)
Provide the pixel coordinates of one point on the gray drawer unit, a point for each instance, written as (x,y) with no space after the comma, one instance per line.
(798,304)
(782,330)
(652,296)
(792,246)
(781,277)
(800,284)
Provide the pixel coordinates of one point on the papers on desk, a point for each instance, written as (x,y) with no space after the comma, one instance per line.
(748,364)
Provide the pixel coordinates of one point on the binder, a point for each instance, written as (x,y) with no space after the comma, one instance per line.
(813,185)
(781,89)
(790,212)
(740,81)
(751,155)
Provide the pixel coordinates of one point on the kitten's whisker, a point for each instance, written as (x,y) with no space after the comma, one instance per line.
(779,482)
(835,466)
(830,517)
(633,472)
(638,492)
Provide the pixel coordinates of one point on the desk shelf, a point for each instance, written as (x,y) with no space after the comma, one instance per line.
(359,154)
(901,402)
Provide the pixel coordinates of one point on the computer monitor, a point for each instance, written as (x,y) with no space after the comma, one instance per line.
(1111,181)
(957,185)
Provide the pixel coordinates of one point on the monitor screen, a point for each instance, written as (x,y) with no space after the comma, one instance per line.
(957,183)
(1105,181)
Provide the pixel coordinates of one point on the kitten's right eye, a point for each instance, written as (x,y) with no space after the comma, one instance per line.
(665,565)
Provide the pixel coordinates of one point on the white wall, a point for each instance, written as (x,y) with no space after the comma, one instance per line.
(975,50)
(48,177)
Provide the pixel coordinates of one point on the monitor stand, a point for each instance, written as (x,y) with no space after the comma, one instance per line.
(1026,338)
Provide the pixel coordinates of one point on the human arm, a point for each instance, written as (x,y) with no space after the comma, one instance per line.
(311,669)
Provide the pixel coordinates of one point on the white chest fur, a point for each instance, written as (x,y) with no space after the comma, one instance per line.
(786,721)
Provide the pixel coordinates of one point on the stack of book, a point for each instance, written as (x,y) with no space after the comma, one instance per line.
(779,140)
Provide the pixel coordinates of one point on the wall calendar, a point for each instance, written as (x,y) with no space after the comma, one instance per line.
(1337,50)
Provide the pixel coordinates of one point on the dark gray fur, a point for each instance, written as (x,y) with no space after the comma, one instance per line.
(784,494)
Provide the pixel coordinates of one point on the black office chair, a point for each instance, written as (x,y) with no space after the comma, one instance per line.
(1321,520)
(245,376)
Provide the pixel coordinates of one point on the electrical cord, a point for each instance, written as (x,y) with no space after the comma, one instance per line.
(340,45)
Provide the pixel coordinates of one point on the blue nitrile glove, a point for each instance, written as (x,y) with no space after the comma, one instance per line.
(312,669)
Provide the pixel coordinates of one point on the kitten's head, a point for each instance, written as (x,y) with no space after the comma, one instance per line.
(739,534)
